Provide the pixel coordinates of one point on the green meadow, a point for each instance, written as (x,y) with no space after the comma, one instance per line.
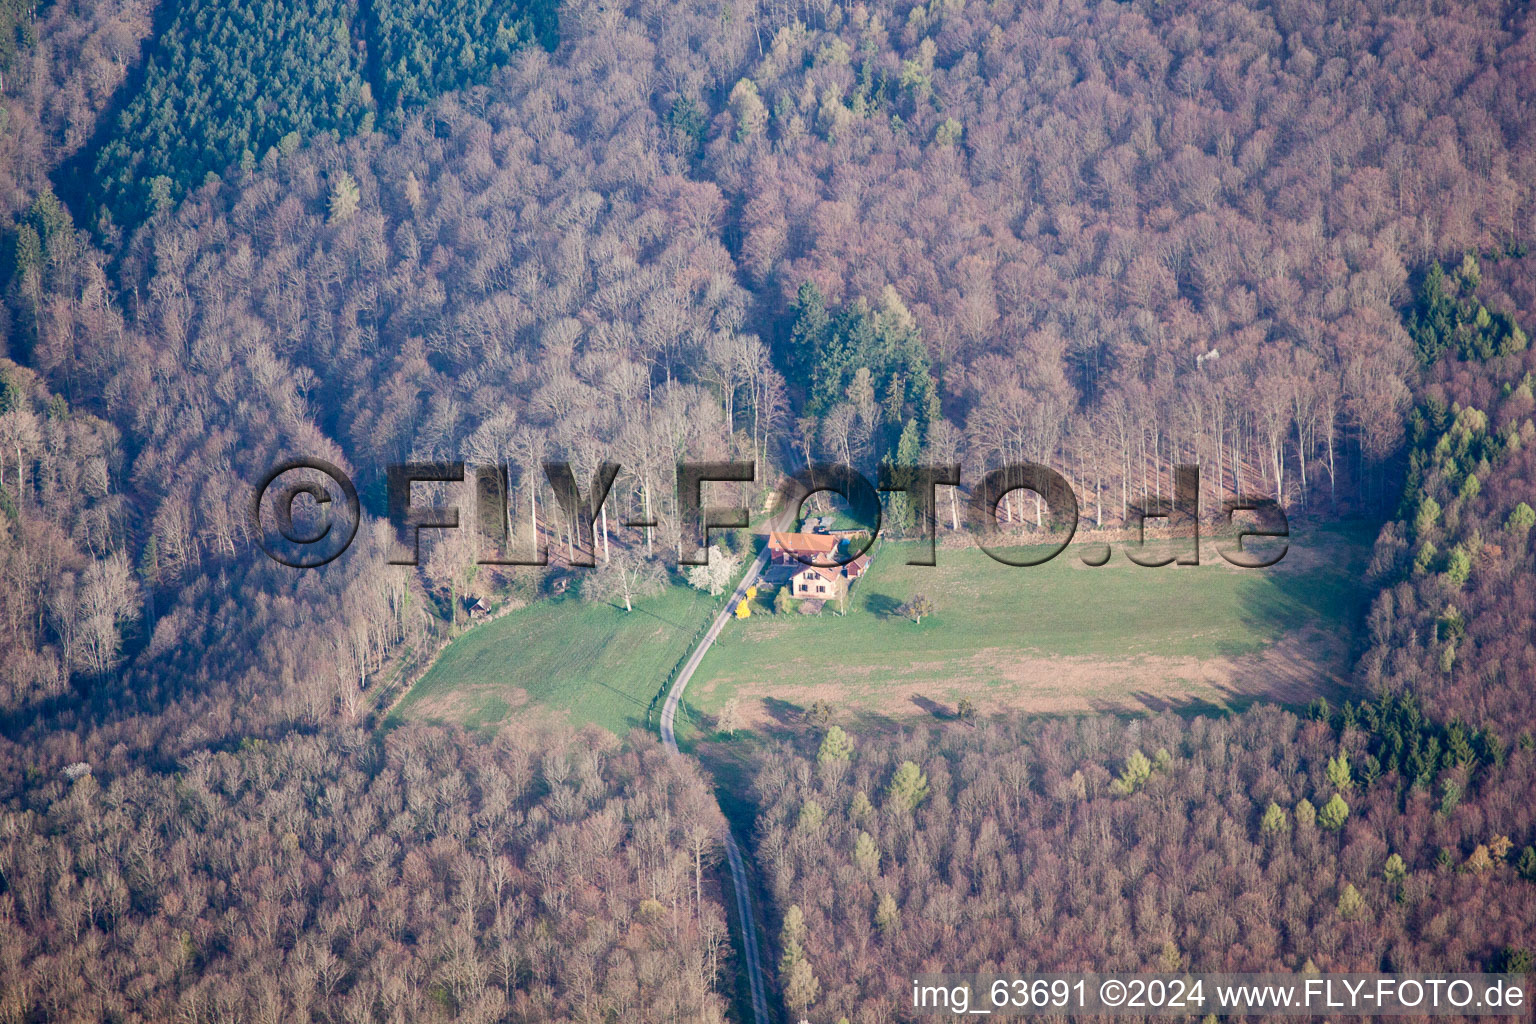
(1055,638)
(583,661)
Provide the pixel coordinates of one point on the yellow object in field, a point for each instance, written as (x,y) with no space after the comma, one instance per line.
(743,610)
(751,593)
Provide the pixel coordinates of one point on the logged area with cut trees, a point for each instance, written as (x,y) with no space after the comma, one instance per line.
(1288,241)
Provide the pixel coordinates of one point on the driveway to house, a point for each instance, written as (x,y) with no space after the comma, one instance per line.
(732,851)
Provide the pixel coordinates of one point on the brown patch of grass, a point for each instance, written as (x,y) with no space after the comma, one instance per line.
(465,703)
(1292,670)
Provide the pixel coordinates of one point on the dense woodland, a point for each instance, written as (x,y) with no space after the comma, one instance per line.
(224,84)
(1284,240)
(343,877)
(1245,844)
(58,82)
(422,50)
(563,264)
(1392,833)
(1455,567)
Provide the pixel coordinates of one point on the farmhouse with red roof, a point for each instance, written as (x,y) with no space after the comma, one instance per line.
(823,580)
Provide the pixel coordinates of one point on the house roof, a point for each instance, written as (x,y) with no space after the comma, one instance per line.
(807,543)
(830,573)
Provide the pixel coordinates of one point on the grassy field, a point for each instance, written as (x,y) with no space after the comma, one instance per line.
(589,662)
(1060,637)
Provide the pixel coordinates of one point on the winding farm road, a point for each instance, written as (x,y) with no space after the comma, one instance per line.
(732,851)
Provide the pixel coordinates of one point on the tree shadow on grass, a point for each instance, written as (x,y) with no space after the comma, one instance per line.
(881,605)
(782,711)
(932,707)
(619,607)
(627,697)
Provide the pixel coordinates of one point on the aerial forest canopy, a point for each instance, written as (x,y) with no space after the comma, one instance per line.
(1024,225)
(226,85)
(1288,241)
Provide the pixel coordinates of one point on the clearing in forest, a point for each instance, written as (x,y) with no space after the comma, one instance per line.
(1059,637)
(591,662)
(1054,638)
